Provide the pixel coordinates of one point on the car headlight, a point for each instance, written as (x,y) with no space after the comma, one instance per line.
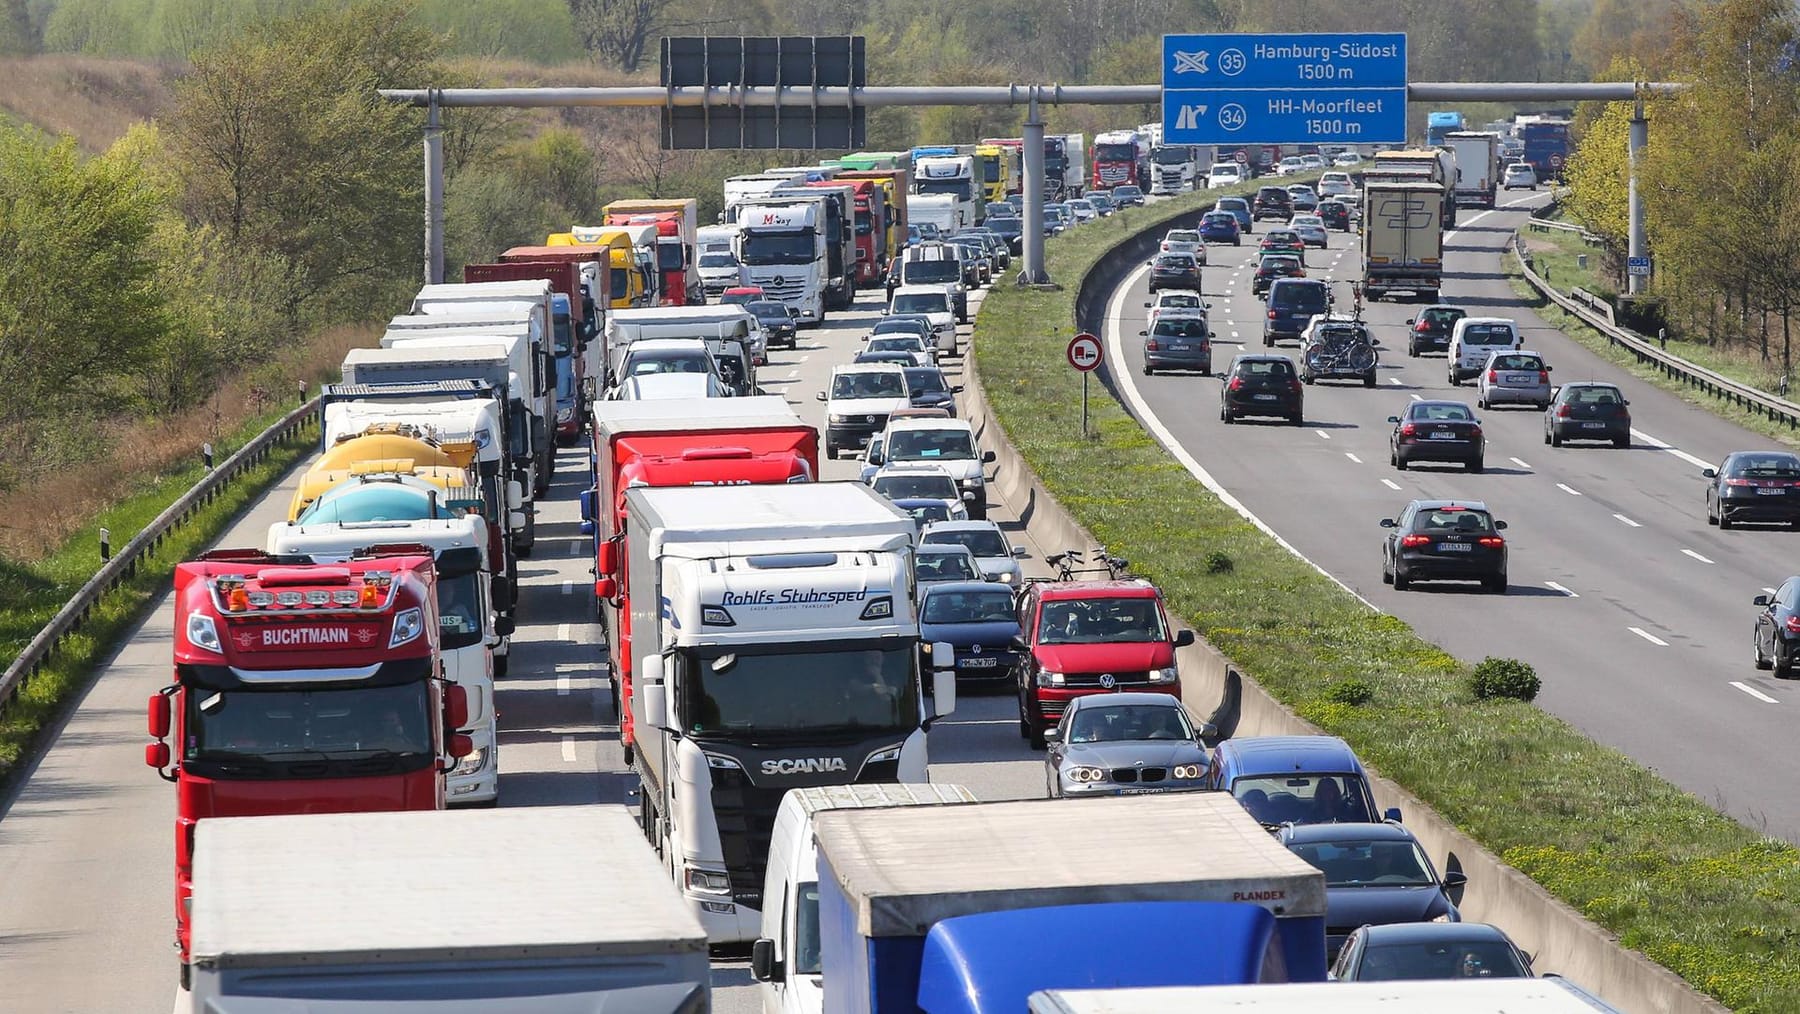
(203,633)
(1188,771)
(710,881)
(1049,678)
(1166,674)
(839,419)
(1007,577)
(1444,917)
(407,627)
(1084,775)
(974,481)
(470,764)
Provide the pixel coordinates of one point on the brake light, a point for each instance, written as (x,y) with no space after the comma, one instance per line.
(1407,429)
(1543,376)
(1492,541)
(1150,345)
(1493,378)
(1237,384)
(1294,382)
(1740,482)
(1793,624)
(1271,314)
(1414,541)
(1422,327)
(1474,431)
(1564,412)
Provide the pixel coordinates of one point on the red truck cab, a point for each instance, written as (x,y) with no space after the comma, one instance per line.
(871,228)
(704,442)
(1090,637)
(302,688)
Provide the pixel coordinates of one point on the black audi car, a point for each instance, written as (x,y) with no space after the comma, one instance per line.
(1444,431)
(1444,540)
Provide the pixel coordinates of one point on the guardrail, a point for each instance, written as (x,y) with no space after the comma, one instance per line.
(124,564)
(1647,351)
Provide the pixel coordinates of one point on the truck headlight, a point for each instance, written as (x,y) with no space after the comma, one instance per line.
(203,633)
(839,419)
(471,764)
(1188,771)
(1163,675)
(407,627)
(974,482)
(1081,774)
(710,881)
(564,415)
(1049,678)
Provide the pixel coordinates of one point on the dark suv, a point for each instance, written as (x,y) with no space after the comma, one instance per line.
(1261,385)
(1272,202)
(1431,329)
(1293,303)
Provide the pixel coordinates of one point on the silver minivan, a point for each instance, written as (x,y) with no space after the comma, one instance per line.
(1475,338)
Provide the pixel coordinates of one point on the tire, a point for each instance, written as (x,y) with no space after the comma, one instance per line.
(1711,518)
(1724,522)
(1225,416)
(1401,580)
(523,547)
(1307,379)
(1474,466)
(1412,351)
(1268,342)
(1548,439)
(1481,403)
(1623,443)
(1387,576)
(1782,663)
(1495,585)
(1452,379)
(1759,660)
(1036,739)
(501,664)
(1148,372)
(1400,462)
(1369,379)
(1297,419)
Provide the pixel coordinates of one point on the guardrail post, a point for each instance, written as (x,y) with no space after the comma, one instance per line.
(302,386)
(105,544)
(206,456)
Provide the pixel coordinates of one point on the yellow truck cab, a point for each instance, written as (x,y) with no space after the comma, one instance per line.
(995,167)
(629,284)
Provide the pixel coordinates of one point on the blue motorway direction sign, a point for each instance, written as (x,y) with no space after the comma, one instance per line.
(1373,60)
(1285,116)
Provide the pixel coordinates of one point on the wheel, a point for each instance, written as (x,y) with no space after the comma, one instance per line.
(1496,584)
(1481,403)
(1225,416)
(1548,439)
(1401,580)
(831,450)
(1037,740)
(1474,465)
(1711,518)
(1268,340)
(1148,372)
(1306,378)
(1387,574)
(1724,522)
(501,665)
(1782,663)
(528,540)
(1412,350)
(1554,439)
(1761,661)
(1296,419)
(1621,442)
(1237,242)
(1400,462)
(1452,379)
(1369,379)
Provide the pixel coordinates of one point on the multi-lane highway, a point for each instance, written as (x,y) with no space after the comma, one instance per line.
(87,843)
(1634,611)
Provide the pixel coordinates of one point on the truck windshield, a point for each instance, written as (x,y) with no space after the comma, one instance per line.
(930,445)
(670,257)
(619,287)
(956,188)
(564,330)
(864,224)
(800,247)
(1115,152)
(921,302)
(799,690)
(268,733)
(1101,621)
(1171,156)
(990,171)
(459,610)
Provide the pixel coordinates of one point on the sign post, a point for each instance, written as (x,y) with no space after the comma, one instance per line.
(1284,89)
(1084,355)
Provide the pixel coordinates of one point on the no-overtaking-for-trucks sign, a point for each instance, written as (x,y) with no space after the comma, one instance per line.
(1084,352)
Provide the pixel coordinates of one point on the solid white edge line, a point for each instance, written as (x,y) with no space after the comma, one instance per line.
(1552,585)
(1697,556)
(1753,692)
(1648,636)
(1115,347)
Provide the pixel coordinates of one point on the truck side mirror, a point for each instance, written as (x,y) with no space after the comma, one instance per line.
(649,686)
(515,495)
(606,588)
(587,503)
(160,715)
(943,691)
(763,966)
(587,527)
(456,709)
(515,520)
(606,558)
(504,626)
(156,754)
(459,744)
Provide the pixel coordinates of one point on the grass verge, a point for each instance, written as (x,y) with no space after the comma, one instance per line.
(30,594)
(1694,890)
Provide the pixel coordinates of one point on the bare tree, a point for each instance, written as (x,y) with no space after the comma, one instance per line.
(619,30)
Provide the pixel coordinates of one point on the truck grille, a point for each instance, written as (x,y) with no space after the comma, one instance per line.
(1113,173)
(789,290)
(745,815)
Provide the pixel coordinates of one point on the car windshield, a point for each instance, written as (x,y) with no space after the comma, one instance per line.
(946,567)
(925,380)
(1766,466)
(1180,327)
(718,260)
(1440,413)
(983,542)
(646,363)
(930,445)
(1445,520)
(916,487)
(868,385)
(770,312)
(922,302)
(1304,798)
(1117,723)
(982,606)
(1007,226)
(1366,863)
(1100,621)
(1438,959)
(1487,334)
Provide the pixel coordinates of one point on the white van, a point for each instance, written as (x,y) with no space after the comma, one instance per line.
(859,401)
(936,303)
(785,960)
(1225,174)
(1474,338)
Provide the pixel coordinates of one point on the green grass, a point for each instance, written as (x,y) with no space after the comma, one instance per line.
(31,594)
(1696,891)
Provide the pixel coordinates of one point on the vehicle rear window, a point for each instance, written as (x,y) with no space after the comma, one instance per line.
(1517,363)
(1182,299)
(1181,327)
(1266,368)
(1771,466)
(1182,236)
(1279,263)
(1303,798)
(1444,316)
(1301,297)
(1175,261)
(1487,334)
(1441,413)
(1453,521)
(1595,395)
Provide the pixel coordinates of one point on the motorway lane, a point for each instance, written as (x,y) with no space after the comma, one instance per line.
(1634,611)
(85,846)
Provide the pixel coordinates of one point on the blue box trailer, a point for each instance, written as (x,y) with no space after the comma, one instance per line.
(970,909)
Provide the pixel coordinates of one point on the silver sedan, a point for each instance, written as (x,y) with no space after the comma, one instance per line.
(1125,744)
(1514,378)
(1311,229)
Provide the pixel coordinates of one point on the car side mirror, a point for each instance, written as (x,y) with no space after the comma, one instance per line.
(1760,600)
(1212,334)
(1149,305)
(1053,735)
(1019,643)
(1393,418)
(1709,473)
(1389,523)
(1391,813)
(1455,879)
(1144,333)
(763,966)
(958,390)
(1549,369)
(1184,638)
(1410,322)
(1019,552)
(1499,526)
(1207,305)
(988,457)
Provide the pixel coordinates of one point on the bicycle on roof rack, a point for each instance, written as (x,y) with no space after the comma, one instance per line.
(1072,562)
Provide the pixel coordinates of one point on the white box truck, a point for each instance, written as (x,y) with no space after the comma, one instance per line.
(1549,995)
(1402,239)
(536,909)
(953,176)
(774,645)
(1477,167)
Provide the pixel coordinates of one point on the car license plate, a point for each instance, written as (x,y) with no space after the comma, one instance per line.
(1140,792)
(1521,379)
(1593,425)
(1266,397)
(1443,435)
(1178,348)
(1770,491)
(1454,547)
(980,663)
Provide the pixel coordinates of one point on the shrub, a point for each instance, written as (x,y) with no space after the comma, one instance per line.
(1351,691)
(1218,563)
(1504,677)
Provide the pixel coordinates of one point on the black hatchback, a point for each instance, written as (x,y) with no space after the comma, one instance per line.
(1261,385)
(1174,271)
(1777,637)
(1757,486)
(1272,202)
(1444,540)
(1430,330)
(1336,215)
(1588,410)
(1436,431)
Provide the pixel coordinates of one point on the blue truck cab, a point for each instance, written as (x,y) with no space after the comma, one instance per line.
(1295,780)
(569,418)
(969,909)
